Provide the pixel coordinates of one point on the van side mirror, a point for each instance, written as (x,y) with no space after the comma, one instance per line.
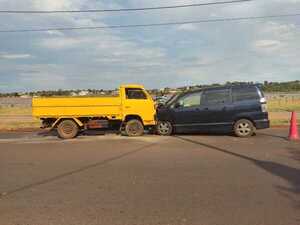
(177,105)
(160,105)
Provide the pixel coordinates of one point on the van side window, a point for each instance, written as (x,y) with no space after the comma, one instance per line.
(135,93)
(214,97)
(245,93)
(190,100)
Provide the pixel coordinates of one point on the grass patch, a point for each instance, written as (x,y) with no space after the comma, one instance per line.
(283,105)
(16,125)
(17,118)
(18,111)
(281,122)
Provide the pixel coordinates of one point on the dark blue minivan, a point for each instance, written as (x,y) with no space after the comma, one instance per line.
(239,108)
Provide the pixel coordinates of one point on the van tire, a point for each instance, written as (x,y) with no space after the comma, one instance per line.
(67,129)
(164,128)
(134,128)
(244,128)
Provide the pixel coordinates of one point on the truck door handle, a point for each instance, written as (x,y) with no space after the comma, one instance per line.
(127,107)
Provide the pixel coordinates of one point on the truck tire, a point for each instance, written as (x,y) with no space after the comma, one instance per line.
(244,128)
(134,128)
(67,129)
(164,128)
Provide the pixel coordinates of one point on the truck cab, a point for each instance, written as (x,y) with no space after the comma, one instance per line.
(136,102)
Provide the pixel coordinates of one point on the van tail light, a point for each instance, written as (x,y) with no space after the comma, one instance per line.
(263,100)
(264,107)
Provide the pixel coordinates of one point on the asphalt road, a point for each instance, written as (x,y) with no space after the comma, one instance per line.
(112,180)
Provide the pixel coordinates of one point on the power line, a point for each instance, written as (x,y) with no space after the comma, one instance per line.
(121,10)
(152,24)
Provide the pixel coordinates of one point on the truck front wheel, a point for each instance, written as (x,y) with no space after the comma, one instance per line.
(134,128)
(67,129)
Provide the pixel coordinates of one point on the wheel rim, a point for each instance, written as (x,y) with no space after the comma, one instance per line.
(164,127)
(244,129)
(67,129)
(134,129)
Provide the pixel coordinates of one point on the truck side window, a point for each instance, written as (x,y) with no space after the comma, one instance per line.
(190,100)
(135,93)
(214,97)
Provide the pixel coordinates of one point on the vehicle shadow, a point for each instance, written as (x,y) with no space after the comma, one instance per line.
(53,133)
(274,136)
(294,152)
(207,133)
(47,133)
(289,174)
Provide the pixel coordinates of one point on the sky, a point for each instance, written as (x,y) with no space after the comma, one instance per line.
(157,57)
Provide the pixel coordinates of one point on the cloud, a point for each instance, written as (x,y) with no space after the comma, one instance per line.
(267,44)
(157,56)
(62,42)
(187,27)
(10,56)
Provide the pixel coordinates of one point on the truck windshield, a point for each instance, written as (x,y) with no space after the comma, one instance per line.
(135,93)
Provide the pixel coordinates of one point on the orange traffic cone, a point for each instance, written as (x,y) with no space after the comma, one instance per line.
(294,136)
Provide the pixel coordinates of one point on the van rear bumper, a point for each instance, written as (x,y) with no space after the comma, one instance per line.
(262,124)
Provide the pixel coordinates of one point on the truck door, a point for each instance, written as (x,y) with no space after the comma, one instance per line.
(137,102)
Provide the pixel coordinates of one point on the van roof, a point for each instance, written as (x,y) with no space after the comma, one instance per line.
(223,87)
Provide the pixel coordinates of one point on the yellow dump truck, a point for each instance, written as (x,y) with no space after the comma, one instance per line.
(131,111)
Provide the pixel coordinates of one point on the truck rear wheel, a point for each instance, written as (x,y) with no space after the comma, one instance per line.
(67,129)
(134,128)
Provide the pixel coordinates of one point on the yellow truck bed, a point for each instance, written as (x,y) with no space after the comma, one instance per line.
(77,107)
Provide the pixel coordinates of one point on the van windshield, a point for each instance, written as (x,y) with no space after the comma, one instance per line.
(172,99)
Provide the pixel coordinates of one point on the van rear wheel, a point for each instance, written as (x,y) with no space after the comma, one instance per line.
(244,128)
(67,129)
(134,128)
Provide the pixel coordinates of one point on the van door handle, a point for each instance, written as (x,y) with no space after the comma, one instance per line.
(206,108)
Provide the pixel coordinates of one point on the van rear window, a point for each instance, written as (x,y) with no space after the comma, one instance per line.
(245,93)
(213,97)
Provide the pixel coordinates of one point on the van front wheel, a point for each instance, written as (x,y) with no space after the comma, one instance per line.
(134,128)
(244,128)
(164,128)
(67,129)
